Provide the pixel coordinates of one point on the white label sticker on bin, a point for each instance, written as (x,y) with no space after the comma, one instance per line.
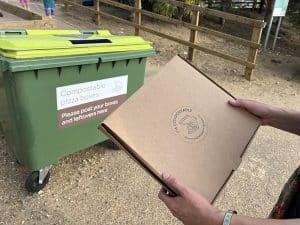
(84,101)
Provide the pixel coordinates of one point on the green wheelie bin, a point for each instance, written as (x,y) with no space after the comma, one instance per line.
(56,86)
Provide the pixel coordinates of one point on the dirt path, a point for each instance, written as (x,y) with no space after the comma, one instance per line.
(100,186)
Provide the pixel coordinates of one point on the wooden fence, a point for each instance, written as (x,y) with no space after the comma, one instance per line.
(253,44)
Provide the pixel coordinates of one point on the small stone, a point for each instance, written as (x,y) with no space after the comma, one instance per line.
(40,192)
(233,71)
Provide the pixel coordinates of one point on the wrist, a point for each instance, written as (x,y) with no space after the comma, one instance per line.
(273,116)
(219,217)
(277,115)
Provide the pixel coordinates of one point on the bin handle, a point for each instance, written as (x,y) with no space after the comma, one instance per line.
(88,32)
(90,41)
(12,32)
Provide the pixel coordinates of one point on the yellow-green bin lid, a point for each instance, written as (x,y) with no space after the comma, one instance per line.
(52,43)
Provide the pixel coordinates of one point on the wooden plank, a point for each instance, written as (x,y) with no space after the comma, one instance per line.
(97,8)
(29,24)
(193,35)
(230,37)
(106,15)
(217,13)
(232,17)
(182,4)
(119,5)
(256,36)
(202,29)
(201,48)
(19,11)
(79,6)
(138,16)
(129,23)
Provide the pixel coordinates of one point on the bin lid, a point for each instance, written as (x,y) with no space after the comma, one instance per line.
(52,43)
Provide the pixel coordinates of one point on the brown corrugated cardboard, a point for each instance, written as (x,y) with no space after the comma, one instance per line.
(180,123)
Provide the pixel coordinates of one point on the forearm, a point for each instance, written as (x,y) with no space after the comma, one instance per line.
(243,220)
(287,120)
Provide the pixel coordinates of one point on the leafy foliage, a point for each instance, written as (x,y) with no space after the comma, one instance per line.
(164,8)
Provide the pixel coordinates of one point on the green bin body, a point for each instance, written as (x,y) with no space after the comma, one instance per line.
(51,106)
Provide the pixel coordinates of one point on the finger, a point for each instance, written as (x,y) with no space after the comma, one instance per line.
(249,105)
(174,184)
(233,102)
(238,103)
(162,195)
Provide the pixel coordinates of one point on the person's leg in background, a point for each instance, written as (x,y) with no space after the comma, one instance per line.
(22,3)
(27,4)
(49,7)
(52,12)
(48,12)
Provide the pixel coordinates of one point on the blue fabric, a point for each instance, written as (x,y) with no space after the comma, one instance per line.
(49,12)
(88,2)
(49,4)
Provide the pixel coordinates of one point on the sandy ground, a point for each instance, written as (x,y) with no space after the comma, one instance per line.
(102,186)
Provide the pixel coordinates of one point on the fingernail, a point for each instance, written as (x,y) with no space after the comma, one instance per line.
(165,175)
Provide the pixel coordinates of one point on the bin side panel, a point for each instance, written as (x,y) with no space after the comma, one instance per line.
(9,113)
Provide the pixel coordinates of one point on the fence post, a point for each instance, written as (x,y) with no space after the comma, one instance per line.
(193,34)
(97,8)
(137,16)
(256,36)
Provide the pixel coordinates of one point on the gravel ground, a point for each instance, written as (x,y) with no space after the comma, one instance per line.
(102,186)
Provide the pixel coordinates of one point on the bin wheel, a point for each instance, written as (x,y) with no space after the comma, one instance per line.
(32,182)
(111,145)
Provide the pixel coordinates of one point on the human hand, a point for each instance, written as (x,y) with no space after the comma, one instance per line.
(188,206)
(261,110)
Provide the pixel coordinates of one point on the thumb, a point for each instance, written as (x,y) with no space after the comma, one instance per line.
(173,183)
(235,102)
(248,105)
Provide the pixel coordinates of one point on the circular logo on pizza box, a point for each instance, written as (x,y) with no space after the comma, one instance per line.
(189,124)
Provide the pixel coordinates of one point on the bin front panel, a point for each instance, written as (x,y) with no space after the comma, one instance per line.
(42,141)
